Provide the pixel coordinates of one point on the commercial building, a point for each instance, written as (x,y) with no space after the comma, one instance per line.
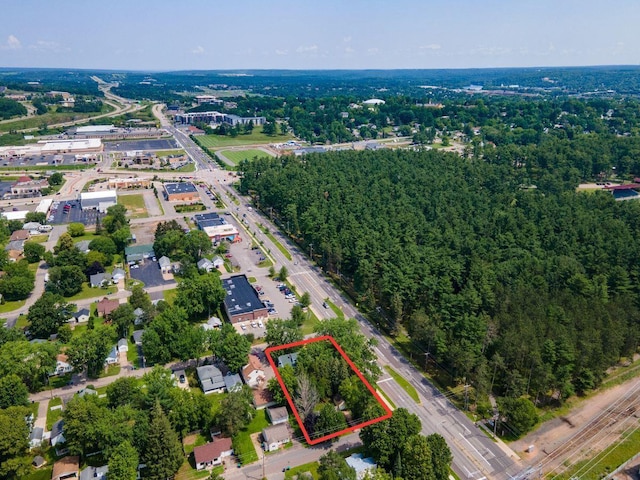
(242,303)
(181,192)
(25,187)
(129,182)
(207,99)
(217,117)
(52,147)
(93,129)
(137,253)
(98,200)
(216,227)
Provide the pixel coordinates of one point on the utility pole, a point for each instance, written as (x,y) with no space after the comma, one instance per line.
(466,396)
(311,251)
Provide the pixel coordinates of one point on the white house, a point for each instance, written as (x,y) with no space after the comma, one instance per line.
(253,372)
(118,274)
(57,433)
(82,316)
(139,313)
(278,415)
(218,262)
(211,454)
(62,365)
(205,264)
(165,264)
(113,356)
(361,465)
(123,345)
(35,437)
(274,437)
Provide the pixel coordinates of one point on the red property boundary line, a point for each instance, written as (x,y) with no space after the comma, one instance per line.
(323,338)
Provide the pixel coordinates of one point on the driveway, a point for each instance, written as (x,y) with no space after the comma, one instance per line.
(149,273)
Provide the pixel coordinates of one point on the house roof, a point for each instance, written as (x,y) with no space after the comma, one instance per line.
(118,272)
(65,466)
(277,413)
(15,245)
(287,359)
(217,260)
(57,428)
(90,473)
(262,397)
(139,249)
(232,382)
(99,278)
(36,433)
(276,433)
(360,464)
(61,357)
(81,312)
(20,235)
(38,461)
(204,262)
(138,312)
(137,336)
(122,342)
(164,261)
(211,451)
(254,364)
(107,306)
(210,378)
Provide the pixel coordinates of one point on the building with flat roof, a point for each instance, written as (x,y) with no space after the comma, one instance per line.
(216,227)
(25,187)
(129,182)
(137,253)
(93,129)
(183,191)
(98,200)
(242,303)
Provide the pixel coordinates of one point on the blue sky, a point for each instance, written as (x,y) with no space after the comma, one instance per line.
(319,34)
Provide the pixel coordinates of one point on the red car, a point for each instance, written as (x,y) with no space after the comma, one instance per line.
(228,255)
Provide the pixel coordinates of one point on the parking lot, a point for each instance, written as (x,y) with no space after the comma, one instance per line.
(148,272)
(60,214)
(130,145)
(38,160)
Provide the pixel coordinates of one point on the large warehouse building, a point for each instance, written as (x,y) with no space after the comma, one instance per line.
(181,192)
(242,303)
(98,200)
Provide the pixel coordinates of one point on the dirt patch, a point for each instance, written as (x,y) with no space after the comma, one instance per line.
(190,439)
(144,232)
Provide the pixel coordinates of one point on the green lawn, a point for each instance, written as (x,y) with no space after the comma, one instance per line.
(134,204)
(256,137)
(199,441)
(11,306)
(90,292)
(310,323)
(43,473)
(311,468)
(167,153)
(339,313)
(403,383)
(54,415)
(237,156)
(243,445)
(386,397)
(170,295)
(278,245)
(39,238)
(49,119)
(132,354)
(110,371)
(189,167)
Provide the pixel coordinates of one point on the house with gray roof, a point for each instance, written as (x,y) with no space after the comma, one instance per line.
(118,274)
(205,264)
(82,315)
(232,382)
(165,264)
(288,359)
(35,437)
(211,379)
(99,279)
(274,437)
(83,245)
(278,415)
(57,434)
(137,337)
(94,473)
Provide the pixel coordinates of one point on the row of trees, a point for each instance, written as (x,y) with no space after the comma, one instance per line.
(520,290)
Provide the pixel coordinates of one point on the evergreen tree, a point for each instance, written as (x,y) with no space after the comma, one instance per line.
(123,463)
(163,455)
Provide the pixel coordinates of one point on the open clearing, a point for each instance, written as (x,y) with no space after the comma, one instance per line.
(135,205)
(256,137)
(237,156)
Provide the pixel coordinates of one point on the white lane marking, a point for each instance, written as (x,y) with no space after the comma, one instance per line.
(475,449)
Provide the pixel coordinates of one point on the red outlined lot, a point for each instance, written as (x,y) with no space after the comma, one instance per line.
(324,338)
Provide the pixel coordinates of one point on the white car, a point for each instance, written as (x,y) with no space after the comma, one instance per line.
(260,324)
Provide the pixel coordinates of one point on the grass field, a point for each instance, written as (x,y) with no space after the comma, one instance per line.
(311,468)
(111,371)
(166,153)
(278,245)
(89,292)
(11,306)
(403,383)
(53,415)
(242,443)
(256,137)
(237,156)
(134,204)
(170,295)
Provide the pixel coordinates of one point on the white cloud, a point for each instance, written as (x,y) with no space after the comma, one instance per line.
(46,46)
(12,43)
(199,50)
(307,49)
(282,52)
(431,46)
(372,51)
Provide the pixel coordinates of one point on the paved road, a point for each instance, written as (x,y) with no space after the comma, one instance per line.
(475,455)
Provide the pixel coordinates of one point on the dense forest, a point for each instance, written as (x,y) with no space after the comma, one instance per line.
(518,289)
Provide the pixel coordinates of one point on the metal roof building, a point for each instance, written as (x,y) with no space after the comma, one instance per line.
(98,200)
(242,303)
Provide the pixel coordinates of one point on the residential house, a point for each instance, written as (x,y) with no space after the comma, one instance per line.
(212,454)
(139,314)
(262,398)
(278,415)
(165,264)
(17,245)
(253,372)
(123,345)
(94,473)
(274,437)
(20,235)
(118,274)
(57,433)
(287,359)
(113,357)
(232,382)
(100,279)
(106,306)
(361,465)
(211,379)
(218,262)
(62,365)
(82,315)
(66,468)
(212,323)
(205,264)
(83,245)
(35,437)
(137,253)
(38,461)
(137,337)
